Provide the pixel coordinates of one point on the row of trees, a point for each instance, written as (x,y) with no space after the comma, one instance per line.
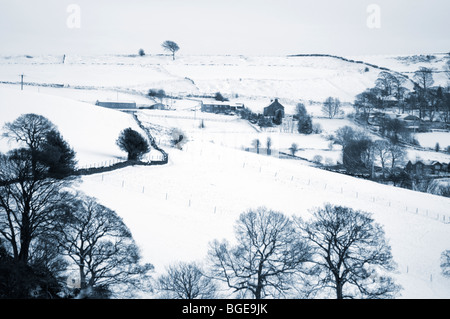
(360,152)
(427,101)
(48,230)
(339,252)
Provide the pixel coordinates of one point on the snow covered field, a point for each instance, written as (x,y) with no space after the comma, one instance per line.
(305,78)
(91,130)
(175,210)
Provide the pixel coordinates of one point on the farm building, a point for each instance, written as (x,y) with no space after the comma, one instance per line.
(221,107)
(427,168)
(274,110)
(116,104)
(412,122)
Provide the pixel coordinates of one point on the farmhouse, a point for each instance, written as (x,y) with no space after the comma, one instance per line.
(274,110)
(412,122)
(116,104)
(427,168)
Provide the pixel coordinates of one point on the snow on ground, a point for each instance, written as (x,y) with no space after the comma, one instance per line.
(91,130)
(408,64)
(306,78)
(88,95)
(430,139)
(174,211)
(230,131)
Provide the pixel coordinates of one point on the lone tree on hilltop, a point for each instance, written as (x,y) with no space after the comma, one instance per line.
(133,143)
(171,47)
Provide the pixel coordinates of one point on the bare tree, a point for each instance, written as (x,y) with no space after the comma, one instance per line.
(396,154)
(381,152)
(171,47)
(399,92)
(28,203)
(385,82)
(293,149)
(365,102)
(424,78)
(269,145)
(256,143)
(331,107)
(352,257)
(101,246)
(29,130)
(268,255)
(388,153)
(186,281)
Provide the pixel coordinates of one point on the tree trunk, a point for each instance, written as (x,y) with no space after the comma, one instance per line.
(339,293)
(25,235)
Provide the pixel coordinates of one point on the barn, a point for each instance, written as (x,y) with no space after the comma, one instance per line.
(116,104)
(221,107)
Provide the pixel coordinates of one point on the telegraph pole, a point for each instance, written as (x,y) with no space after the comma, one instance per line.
(21,82)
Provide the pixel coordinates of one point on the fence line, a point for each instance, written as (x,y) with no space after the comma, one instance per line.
(281,175)
(189,201)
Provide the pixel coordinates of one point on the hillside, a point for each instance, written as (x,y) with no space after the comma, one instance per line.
(91,130)
(175,210)
(305,78)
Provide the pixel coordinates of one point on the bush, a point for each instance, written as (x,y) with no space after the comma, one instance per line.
(56,154)
(219,97)
(317,128)
(141,52)
(304,120)
(317,159)
(133,143)
(157,93)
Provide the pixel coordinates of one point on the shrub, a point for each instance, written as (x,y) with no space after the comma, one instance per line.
(317,159)
(133,143)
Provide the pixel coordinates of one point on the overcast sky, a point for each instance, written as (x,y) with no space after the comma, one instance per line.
(253,27)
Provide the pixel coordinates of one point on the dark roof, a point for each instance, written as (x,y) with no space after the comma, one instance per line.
(274,106)
(411,118)
(116,105)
